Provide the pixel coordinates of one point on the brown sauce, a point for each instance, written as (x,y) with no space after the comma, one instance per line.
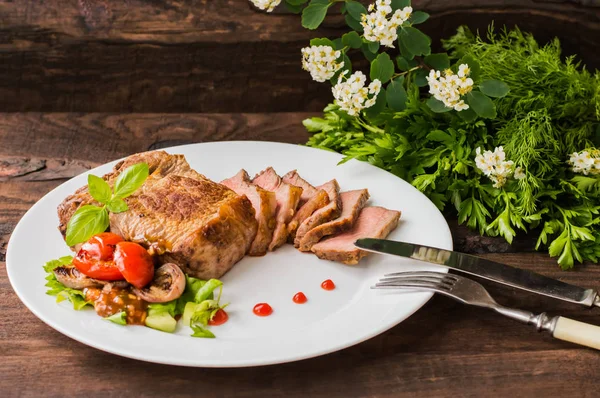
(115,300)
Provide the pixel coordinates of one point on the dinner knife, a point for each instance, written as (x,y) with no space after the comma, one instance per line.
(487,269)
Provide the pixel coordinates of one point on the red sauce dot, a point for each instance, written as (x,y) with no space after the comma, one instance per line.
(220,318)
(262,309)
(328,285)
(300,298)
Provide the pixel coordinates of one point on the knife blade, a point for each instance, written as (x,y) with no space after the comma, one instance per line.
(487,269)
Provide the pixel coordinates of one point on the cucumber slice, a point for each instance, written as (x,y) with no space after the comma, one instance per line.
(188,311)
(164,322)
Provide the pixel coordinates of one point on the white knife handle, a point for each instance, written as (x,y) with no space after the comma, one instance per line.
(577,332)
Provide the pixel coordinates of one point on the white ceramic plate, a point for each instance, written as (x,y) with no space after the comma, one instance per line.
(329,321)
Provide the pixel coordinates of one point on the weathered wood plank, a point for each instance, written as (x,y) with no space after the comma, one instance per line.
(210,56)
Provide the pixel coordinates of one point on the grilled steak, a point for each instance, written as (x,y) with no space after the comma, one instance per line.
(324,214)
(373,222)
(308,191)
(287,197)
(352,204)
(318,201)
(202,226)
(265,207)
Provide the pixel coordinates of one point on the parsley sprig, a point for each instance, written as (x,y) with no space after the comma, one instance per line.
(89,220)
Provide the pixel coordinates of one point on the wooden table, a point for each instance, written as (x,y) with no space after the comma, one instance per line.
(444,349)
(75,70)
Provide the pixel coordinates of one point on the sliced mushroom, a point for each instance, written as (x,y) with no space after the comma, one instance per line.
(168,284)
(73,278)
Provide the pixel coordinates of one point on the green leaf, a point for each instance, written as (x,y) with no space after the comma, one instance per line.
(130,179)
(440,136)
(314,14)
(99,189)
(353,23)
(494,88)
(382,68)
(50,265)
(418,17)
(468,115)
(117,206)
(294,8)
(437,106)
(355,9)
(296,2)
(421,78)
(373,46)
(321,41)
(199,331)
(474,66)
(379,106)
(352,40)
(87,221)
(404,50)
(399,4)
(438,61)
(396,94)
(402,64)
(207,290)
(161,308)
(417,42)
(119,318)
(481,104)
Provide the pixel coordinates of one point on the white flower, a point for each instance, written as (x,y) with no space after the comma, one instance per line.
(494,166)
(450,87)
(268,5)
(352,96)
(378,28)
(586,162)
(321,62)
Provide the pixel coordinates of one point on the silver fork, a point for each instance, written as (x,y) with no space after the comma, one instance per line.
(468,291)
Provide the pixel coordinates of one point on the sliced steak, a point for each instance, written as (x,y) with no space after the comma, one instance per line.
(324,214)
(287,197)
(265,207)
(373,222)
(318,201)
(352,204)
(308,191)
(200,225)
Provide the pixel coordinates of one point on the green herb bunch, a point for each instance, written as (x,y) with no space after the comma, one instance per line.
(491,130)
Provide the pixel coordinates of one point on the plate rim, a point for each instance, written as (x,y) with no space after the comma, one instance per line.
(90,342)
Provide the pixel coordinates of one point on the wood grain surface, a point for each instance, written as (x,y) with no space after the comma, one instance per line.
(214,56)
(445,349)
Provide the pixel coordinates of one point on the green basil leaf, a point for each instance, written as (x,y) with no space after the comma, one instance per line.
(382,68)
(202,332)
(130,179)
(87,221)
(418,17)
(352,40)
(117,206)
(494,88)
(439,61)
(396,94)
(481,104)
(119,318)
(437,106)
(314,14)
(417,42)
(355,9)
(99,189)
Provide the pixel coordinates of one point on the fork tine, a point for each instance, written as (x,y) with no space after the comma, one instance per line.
(423,273)
(415,283)
(419,278)
(410,286)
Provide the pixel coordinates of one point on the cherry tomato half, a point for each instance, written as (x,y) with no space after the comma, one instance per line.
(135,263)
(220,318)
(94,259)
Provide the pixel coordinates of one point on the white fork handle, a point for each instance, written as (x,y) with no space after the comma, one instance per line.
(577,332)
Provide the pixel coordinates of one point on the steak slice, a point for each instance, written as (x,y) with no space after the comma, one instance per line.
(184,217)
(318,201)
(265,207)
(287,197)
(352,204)
(308,191)
(324,214)
(373,222)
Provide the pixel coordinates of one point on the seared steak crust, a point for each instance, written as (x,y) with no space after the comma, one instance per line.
(202,226)
(352,204)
